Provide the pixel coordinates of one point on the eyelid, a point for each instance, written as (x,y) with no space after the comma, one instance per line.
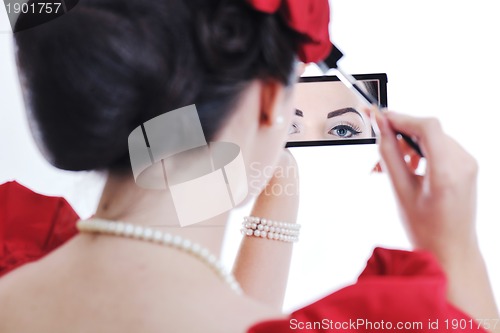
(354,129)
(343,122)
(348,124)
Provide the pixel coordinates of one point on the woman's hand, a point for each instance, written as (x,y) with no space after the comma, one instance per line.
(262,265)
(438,208)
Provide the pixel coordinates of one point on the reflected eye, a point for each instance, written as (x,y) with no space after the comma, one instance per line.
(345,131)
(294,129)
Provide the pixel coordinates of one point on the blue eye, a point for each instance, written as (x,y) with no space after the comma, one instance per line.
(345,131)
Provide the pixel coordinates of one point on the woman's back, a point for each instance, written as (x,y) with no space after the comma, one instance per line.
(136,290)
(121,63)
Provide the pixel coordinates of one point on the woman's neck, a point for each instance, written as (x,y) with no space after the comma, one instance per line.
(122,199)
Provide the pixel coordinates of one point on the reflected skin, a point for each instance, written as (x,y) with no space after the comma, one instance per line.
(328,111)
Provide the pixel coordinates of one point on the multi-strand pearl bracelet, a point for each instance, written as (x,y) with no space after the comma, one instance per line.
(260,227)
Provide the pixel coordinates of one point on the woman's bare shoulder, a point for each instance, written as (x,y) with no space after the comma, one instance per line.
(28,289)
(16,288)
(25,306)
(20,281)
(58,291)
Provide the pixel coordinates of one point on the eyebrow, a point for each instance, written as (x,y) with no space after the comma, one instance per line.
(299,113)
(340,112)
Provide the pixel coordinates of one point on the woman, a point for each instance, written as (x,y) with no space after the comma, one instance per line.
(328,111)
(95,74)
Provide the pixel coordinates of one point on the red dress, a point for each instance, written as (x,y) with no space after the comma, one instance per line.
(31,225)
(398,291)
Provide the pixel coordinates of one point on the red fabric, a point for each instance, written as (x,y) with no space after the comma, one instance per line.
(31,225)
(266,6)
(310,18)
(395,287)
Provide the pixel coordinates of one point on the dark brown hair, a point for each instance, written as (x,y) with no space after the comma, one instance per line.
(94,74)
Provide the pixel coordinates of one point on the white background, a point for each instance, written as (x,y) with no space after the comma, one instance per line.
(441,58)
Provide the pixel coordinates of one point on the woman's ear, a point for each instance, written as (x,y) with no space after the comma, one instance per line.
(272,98)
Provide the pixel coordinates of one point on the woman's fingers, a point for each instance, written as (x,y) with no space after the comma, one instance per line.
(445,158)
(427,131)
(411,158)
(394,163)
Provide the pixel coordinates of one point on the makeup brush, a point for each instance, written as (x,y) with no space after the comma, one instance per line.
(331,63)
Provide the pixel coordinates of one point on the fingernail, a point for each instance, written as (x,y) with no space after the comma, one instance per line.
(377,168)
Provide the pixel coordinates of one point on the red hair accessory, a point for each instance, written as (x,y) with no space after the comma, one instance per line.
(310,18)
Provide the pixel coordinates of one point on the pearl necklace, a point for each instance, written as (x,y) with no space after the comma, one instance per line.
(138,232)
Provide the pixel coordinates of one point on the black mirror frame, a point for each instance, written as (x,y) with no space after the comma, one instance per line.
(380,77)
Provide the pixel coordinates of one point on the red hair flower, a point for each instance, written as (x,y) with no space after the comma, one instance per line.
(310,18)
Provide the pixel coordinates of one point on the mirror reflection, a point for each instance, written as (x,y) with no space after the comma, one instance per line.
(328,110)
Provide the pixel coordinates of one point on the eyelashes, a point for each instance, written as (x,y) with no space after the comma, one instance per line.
(345,130)
(342,130)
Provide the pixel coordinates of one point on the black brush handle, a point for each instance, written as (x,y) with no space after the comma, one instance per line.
(411,143)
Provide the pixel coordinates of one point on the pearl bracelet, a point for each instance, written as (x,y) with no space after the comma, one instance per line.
(260,227)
